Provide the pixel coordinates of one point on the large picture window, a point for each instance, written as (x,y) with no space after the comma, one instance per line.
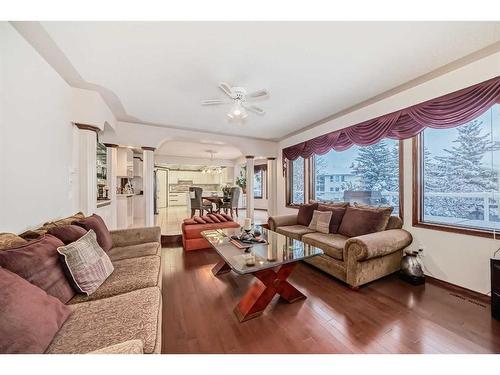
(296,181)
(259,181)
(368,175)
(457,181)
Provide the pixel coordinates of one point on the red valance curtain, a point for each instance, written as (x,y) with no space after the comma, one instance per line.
(447,111)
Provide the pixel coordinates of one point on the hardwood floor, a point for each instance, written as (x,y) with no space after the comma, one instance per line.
(386,316)
(170,218)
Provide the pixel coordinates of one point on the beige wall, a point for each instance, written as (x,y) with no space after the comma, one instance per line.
(459,259)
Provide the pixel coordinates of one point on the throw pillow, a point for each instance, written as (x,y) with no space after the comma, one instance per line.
(96,223)
(87,263)
(221,218)
(214,218)
(65,221)
(337,211)
(30,317)
(226,216)
(8,240)
(199,220)
(306,213)
(189,221)
(320,221)
(358,221)
(207,219)
(38,262)
(67,233)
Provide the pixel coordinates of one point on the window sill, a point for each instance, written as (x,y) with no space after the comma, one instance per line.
(296,206)
(458,230)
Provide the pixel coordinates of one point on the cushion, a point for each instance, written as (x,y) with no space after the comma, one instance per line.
(126,347)
(226,216)
(96,223)
(33,234)
(358,221)
(207,219)
(38,262)
(8,240)
(30,317)
(67,233)
(189,221)
(331,244)
(221,218)
(395,222)
(199,220)
(129,316)
(129,275)
(87,263)
(214,218)
(65,221)
(294,231)
(320,221)
(134,251)
(337,211)
(306,213)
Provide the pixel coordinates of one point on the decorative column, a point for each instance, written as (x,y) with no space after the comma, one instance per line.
(148,184)
(112,167)
(272,187)
(87,142)
(250,199)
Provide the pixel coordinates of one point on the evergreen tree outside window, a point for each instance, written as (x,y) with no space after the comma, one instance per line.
(459,174)
(368,175)
(258,183)
(296,181)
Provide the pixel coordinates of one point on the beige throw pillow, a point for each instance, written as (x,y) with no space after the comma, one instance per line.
(87,263)
(320,221)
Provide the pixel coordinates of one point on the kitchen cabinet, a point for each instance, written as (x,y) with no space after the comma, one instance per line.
(177,199)
(137,167)
(139,207)
(125,162)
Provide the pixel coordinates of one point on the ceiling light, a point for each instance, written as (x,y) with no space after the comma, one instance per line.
(237,111)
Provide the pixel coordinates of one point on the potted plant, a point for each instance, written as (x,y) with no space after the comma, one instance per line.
(241,180)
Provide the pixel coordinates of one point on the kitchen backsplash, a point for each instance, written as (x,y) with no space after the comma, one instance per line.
(179,188)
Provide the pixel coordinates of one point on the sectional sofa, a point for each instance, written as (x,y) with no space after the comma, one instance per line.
(363,243)
(124,315)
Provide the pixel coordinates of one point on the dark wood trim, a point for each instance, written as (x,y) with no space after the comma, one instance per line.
(146,148)
(87,127)
(112,145)
(470,294)
(401,180)
(271,158)
(249,157)
(417,194)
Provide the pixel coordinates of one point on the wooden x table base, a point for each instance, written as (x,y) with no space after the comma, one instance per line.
(260,294)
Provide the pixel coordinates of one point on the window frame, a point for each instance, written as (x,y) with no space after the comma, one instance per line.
(261,168)
(310,181)
(418,194)
(400,179)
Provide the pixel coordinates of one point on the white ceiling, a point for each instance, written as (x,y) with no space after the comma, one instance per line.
(160,71)
(198,150)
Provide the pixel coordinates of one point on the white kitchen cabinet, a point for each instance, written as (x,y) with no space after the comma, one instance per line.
(139,207)
(125,162)
(177,199)
(137,167)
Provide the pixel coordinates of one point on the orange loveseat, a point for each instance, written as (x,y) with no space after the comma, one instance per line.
(192,238)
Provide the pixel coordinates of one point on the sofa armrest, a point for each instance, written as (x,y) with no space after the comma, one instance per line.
(281,221)
(377,244)
(134,236)
(126,347)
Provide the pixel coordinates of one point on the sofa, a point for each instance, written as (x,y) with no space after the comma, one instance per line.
(191,231)
(355,260)
(124,314)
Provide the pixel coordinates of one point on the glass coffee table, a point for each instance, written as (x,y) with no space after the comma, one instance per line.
(272,262)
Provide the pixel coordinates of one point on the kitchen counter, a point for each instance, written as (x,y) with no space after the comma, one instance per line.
(103,202)
(125,195)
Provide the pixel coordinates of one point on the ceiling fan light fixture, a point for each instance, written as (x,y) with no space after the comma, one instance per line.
(237,111)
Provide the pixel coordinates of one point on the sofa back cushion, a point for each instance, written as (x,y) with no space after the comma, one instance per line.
(337,211)
(306,213)
(38,262)
(87,263)
(30,317)
(320,221)
(67,233)
(358,221)
(96,223)
(8,240)
(395,222)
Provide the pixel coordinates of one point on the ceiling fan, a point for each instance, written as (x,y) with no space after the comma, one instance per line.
(239,100)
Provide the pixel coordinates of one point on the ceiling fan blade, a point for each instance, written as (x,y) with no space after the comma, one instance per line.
(227,89)
(253,108)
(214,102)
(259,94)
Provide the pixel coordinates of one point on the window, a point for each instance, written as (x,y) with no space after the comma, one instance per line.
(457,182)
(259,181)
(296,181)
(368,175)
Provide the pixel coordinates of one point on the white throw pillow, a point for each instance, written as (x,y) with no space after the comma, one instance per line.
(320,221)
